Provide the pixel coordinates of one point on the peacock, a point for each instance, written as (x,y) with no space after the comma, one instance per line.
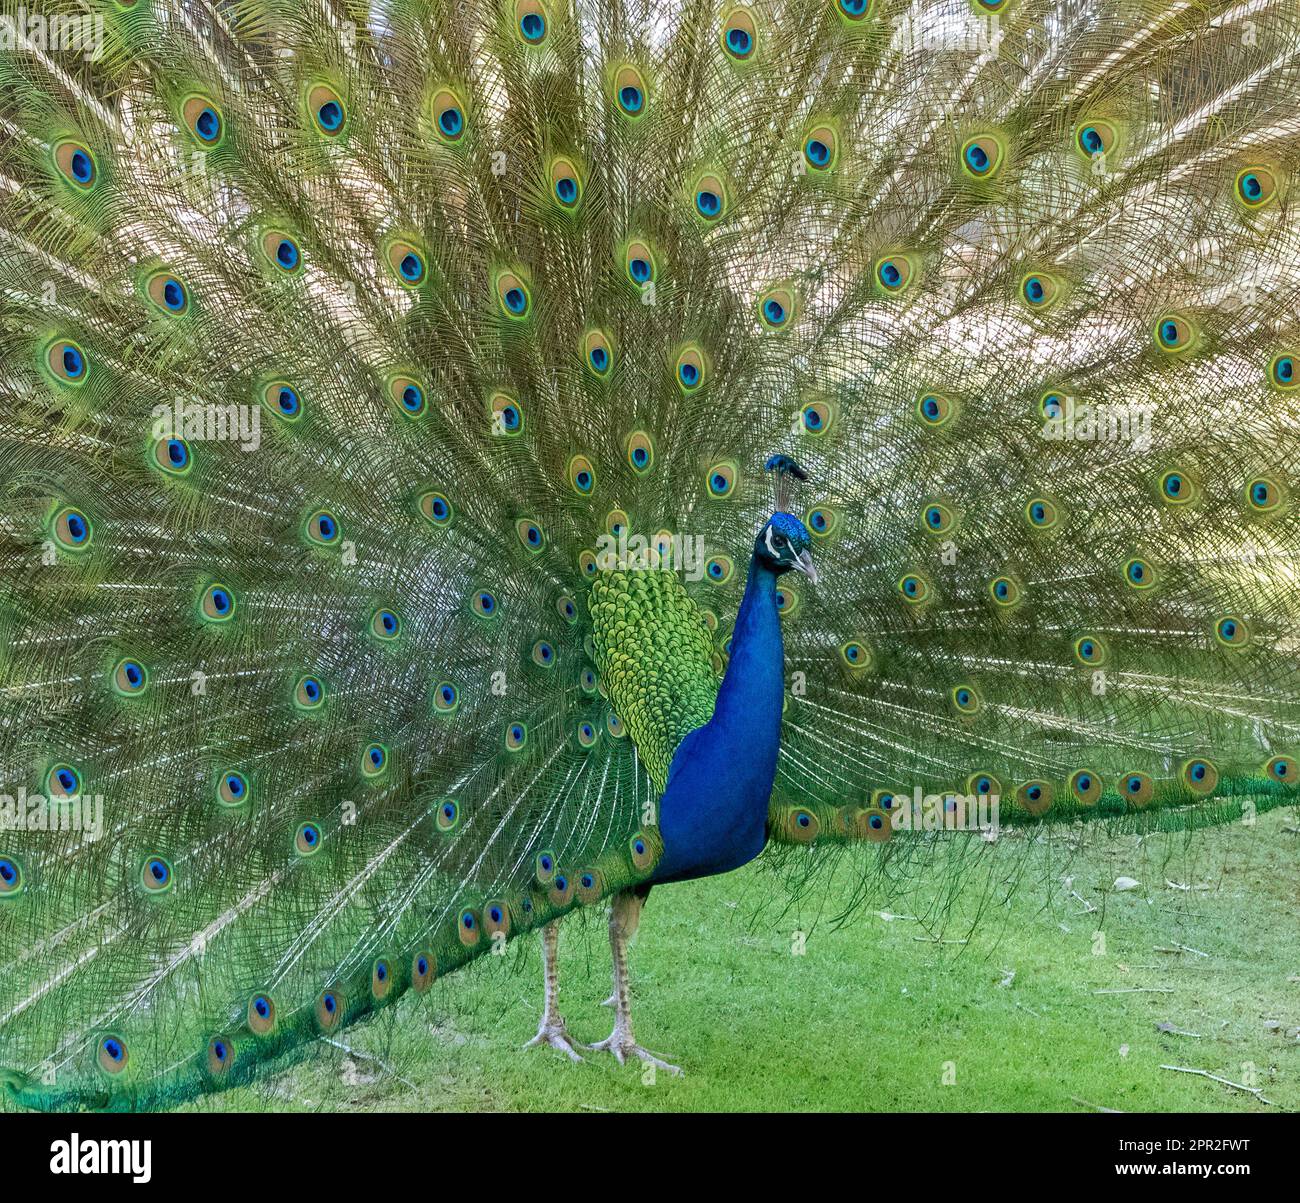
(471,461)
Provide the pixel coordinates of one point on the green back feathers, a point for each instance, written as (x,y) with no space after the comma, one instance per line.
(656,657)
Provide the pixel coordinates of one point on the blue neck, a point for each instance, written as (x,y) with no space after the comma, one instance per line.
(713,814)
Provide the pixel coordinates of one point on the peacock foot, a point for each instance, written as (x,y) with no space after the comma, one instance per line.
(611,1001)
(555,1034)
(623,1045)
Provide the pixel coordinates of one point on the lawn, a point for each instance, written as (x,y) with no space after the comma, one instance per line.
(1025,982)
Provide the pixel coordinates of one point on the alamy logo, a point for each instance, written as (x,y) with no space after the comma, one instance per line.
(663,552)
(36,812)
(89,1156)
(1073,421)
(196,421)
(946,812)
(62,33)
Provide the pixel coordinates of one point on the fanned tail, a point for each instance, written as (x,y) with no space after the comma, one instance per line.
(338,347)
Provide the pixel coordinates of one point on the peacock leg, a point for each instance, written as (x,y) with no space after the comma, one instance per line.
(551,1030)
(624,915)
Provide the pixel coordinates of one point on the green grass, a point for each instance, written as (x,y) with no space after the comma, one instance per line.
(874,1016)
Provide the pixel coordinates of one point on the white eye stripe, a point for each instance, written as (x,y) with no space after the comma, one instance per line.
(768,540)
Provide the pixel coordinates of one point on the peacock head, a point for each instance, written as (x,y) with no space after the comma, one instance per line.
(783,544)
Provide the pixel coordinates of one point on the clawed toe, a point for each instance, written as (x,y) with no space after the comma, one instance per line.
(555,1035)
(624,1046)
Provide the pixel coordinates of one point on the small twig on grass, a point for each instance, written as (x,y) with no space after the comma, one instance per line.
(352,1052)
(1139,990)
(1174,946)
(1074,1098)
(1205,1073)
(937,940)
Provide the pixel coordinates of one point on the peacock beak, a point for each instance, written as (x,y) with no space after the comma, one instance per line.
(805,565)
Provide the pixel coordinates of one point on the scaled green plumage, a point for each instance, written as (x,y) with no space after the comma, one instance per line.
(655,655)
(471,298)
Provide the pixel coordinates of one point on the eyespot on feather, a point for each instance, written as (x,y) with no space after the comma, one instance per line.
(329,1010)
(408,394)
(328,112)
(385,625)
(532,23)
(167,293)
(63,781)
(631,95)
(565,182)
(982,156)
(1199,775)
(468,926)
(217,603)
(374,760)
(799,825)
(424,971)
(720,479)
(67,362)
(76,163)
(1255,186)
(72,530)
(1035,797)
(446,815)
(323,528)
(447,114)
(597,353)
(261,1015)
(307,839)
(1086,787)
(232,788)
(776,308)
(282,399)
(581,475)
(130,677)
(204,120)
(821,148)
(281,251)
(309,693)
(435,508)
(111,1054)
(156,875)
(1137,788)
(1175,334)
(1282,769)
(934,409)
(513,295)
(739,34)
(407,261)
(590,885)
(505,414)
(220,1056)
(893,273)
(691,369)
(709,194)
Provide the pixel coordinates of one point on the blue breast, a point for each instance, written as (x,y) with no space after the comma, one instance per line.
(713,813)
